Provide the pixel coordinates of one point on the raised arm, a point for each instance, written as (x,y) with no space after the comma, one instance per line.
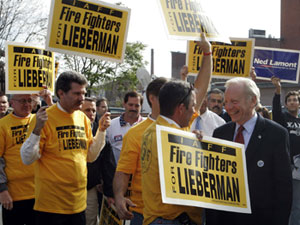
(204,75)
(99,139)
(276,104)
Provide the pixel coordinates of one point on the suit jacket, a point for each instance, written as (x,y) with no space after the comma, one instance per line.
(269,176)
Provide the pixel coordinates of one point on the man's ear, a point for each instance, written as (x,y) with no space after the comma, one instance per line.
(151,98)
(60,93)
(181,108)
(254,101)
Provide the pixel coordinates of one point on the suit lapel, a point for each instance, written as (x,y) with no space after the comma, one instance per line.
(229,135)
(256,138)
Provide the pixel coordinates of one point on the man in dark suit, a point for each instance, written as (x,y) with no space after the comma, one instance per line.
(267,159)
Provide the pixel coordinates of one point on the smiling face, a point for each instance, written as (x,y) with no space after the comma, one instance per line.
(183,114)
(239,105)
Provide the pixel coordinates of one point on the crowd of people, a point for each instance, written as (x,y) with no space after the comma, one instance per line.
(58,161)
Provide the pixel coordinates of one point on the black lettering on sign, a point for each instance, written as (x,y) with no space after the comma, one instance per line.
(93,7)
(93,40)
(229,66)
(197,183)
(35,51)
(201,145)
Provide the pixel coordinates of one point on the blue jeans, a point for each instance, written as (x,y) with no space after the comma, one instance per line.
(137,219)
(160,220)
(295,212)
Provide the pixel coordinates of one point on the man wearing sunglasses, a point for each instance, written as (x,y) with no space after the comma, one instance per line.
(177,101)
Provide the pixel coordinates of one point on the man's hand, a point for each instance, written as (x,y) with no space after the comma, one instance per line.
(122,205)
(277,84)
(100,188)
(41,118)
(110,201)
(6,200)
(184,72)
(204,44)
(199,134)
(46,95)
(104,121)
(253,74)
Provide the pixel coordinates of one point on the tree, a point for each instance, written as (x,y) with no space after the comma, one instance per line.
(22,20)
(115,78)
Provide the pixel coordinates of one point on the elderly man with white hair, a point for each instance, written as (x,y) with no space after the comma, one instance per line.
(267,158)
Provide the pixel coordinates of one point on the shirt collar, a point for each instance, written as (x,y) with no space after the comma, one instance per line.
(123,122)
(150,118)
(60,107)
(170,121)
(249,125)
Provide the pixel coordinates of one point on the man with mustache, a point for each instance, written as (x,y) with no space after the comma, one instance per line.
(133,102)
(215,102)
(60,145)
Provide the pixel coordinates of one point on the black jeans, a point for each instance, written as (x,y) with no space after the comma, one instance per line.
(44,218)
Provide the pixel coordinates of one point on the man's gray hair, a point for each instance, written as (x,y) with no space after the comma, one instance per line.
(250,87)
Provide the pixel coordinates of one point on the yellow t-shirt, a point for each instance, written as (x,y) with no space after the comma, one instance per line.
(61,173)
(130,161)
(13,133)
(153,205)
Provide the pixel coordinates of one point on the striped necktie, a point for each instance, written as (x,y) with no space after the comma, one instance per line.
(239,138)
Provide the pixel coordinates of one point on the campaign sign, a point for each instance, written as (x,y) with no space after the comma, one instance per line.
(186,19)
(91,29)
(109,215)
(281,63)
(210,174)
(229,60)
(29,69)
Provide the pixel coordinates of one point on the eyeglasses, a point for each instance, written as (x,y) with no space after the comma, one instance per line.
(24,101)
(188,94)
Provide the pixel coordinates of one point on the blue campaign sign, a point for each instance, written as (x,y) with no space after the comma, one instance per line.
(281,63)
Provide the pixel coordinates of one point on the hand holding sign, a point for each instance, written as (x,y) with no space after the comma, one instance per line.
(276,83)
(122,206)
(46,95)
(41,119)
(204,44)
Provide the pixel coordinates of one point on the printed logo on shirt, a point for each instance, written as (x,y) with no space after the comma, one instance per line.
(294,128)
(19,134)
(118,138)
(71,137)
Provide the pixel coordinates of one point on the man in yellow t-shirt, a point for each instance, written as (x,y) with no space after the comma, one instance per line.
(177,107)
(61,144)
(129,164)
(16,180)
